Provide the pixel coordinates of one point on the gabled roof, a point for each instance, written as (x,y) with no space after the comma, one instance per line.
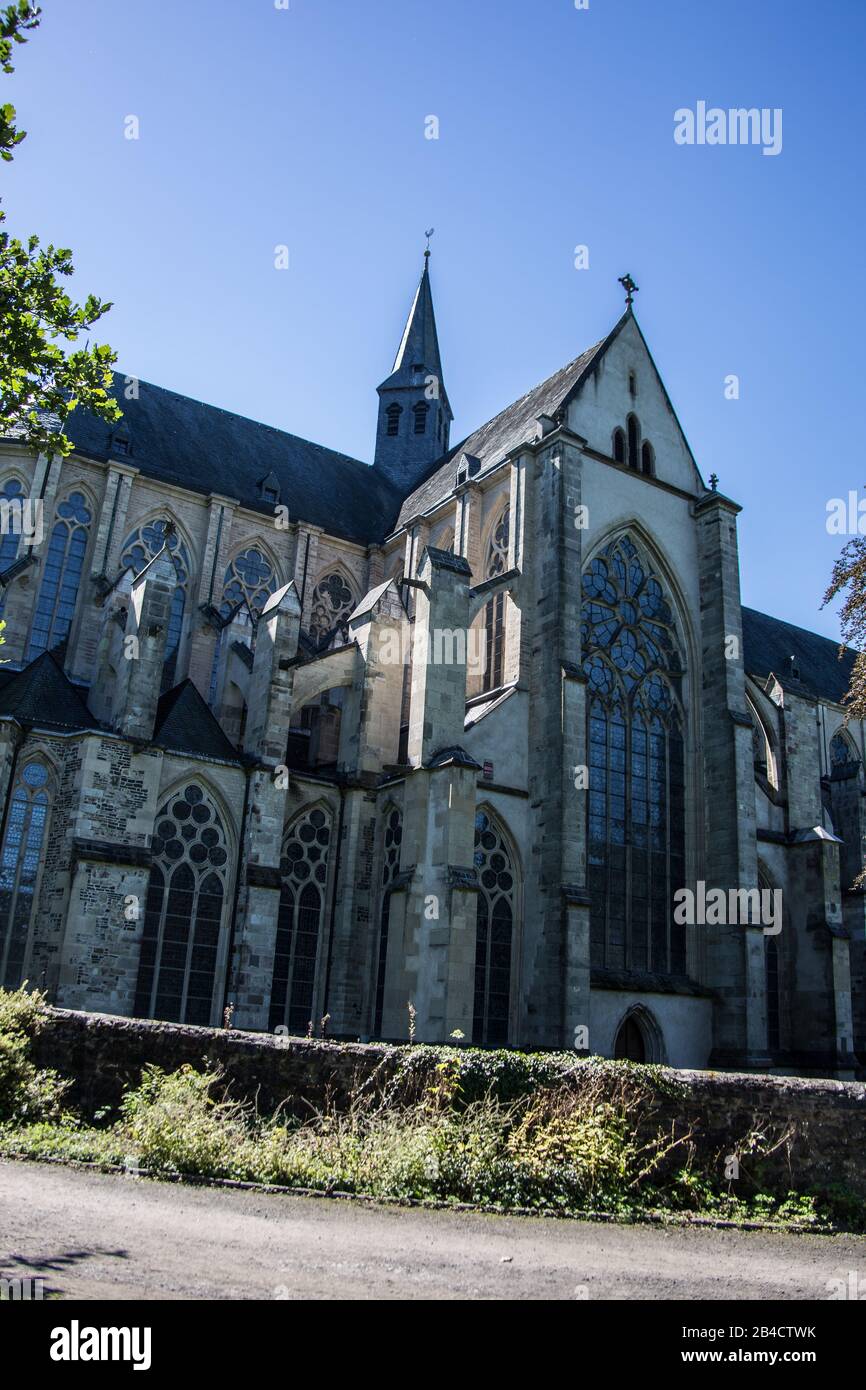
(178,440)
(185,724)
(43,695)
(769,642)
(510,428)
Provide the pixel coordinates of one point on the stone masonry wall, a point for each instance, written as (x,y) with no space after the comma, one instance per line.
(104,1054)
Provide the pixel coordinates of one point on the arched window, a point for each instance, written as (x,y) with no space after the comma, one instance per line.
(183,914)
(138,549)
(647,459)
(250,576)
(10,540)
(619,444)
(248,583)
(636,822)
(390,868)
(19,868)
(419,410)
(494,612)
(64,562)
(304,869)
(332,603)
(843,755)
(392,417)
(762,749)
(494,933)
(633,442)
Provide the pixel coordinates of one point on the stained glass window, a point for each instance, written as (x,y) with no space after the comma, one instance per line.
(842,753)
(183,911)
(304,869)
(636,813)
(494,612)
(390,867)
(19,868)
(138,550)
(61,577)
(11,539)
(249,580)
(494,932)
(332,603)
(250,576)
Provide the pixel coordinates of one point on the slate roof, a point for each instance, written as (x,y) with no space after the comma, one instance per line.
(43,695)
(508,429)
(420,341)
(768,642)
(185,724)
(200,447)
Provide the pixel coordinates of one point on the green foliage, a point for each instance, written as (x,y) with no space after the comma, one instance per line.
(15,20)
(502,1131)
(176,1125)
(41,380)
(26,1093)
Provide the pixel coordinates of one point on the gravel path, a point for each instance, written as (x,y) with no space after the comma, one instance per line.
(92,1235)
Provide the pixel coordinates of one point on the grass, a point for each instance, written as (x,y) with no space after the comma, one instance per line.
(498,1131)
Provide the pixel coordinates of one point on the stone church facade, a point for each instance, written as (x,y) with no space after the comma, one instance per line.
(299,738)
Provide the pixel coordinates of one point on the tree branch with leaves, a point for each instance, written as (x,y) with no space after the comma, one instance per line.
(42,378)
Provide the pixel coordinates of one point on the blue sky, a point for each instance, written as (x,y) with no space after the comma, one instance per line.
(305,127)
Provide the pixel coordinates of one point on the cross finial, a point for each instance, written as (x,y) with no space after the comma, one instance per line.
(630,288)
(714,481)
(428,236)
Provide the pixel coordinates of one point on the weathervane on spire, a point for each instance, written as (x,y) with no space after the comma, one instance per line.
(630,288)
(428,236)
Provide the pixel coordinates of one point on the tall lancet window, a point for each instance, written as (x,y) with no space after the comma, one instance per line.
(183,913)
(494,933)
(61,578)
(21,856)
(138,550)
(636,822)
(10,540)
(494,613)
(304,870)
(390,868)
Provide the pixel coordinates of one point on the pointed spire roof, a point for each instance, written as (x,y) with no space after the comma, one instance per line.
(419,345)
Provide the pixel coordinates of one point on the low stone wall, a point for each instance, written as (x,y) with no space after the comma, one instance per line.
(103,1055)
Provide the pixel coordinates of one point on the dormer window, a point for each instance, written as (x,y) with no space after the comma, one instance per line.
(269,488)
(420,413)
(392,416)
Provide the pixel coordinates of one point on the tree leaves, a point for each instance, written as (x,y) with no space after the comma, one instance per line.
(40,382)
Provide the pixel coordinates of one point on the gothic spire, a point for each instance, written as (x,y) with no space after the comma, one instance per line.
(414,414)
(419,345)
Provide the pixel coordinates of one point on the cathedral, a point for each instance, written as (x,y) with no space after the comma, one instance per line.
(426,747)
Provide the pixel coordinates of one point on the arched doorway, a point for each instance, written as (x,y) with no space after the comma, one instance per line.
(630,1045)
